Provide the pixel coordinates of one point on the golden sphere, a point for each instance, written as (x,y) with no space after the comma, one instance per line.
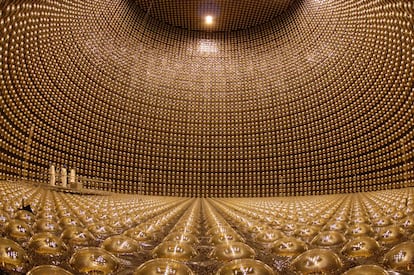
(12,256)
(182,237)
(69,221)
(101,231)
(359,229)
(231,251)
(48,215)
(25,216)
(366,270)
(174,250)
(137,234)
(220,230)
(121,245)
(329,238)
(359,219)
(45,225)
(398,215)
(269,236)
(335,226)
(149,227)
(48,270)
(245,266)
(361,247)
(307,232)
(408,223)
(94,260)
(390,234)
(288,247)
(317,261)
(256,228)
(163,266)
(47,244)
(400,257)
(76,235)
(382,221)
(18,230)
(187,229)
(221,238)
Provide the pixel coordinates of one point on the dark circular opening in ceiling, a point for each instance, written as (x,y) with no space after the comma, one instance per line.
(227,15)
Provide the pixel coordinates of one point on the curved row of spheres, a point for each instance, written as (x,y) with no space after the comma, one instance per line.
(52,232)
(279,98)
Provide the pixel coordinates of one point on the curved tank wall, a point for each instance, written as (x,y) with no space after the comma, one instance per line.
(319,100)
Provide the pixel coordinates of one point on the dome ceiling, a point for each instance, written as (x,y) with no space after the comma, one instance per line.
(226,15)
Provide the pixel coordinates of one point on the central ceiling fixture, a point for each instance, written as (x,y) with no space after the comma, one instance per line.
(209,19)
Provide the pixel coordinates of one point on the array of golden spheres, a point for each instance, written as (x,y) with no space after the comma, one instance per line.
(366,233)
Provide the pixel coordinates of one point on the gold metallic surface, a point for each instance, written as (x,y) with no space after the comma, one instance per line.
(231,251)
(174,250)
(48,270)
(400,257)
(12,256)
(366,270)
(163,266)
(317,261)
(289,247)
(94,260)
(245,266)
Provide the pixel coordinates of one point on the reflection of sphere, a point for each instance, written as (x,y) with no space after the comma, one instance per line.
(69,221)
(329,238)
(182,237)
(221,238)
(289,247)
(18,230)
(163,266)
(45,225)
(48,215)
(390,234)
(336,226)
(408,223)
(366,270)
(361,247)
(220,230)
(382,221)
(359,219)
(48,270)
(101,231)
(269,236)
(149,227)
(307,232)
(360,229)
(187,229)
(400,257)
(121,245)
(25,216)
(94,260)
(174,250)
(12,256)
(232,251)
(47,244)
(317,261)
(245,266)
(256,228)
(76,236)
(397,215)
(137,234)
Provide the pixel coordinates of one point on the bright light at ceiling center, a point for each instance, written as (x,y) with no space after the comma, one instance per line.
(209,19)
